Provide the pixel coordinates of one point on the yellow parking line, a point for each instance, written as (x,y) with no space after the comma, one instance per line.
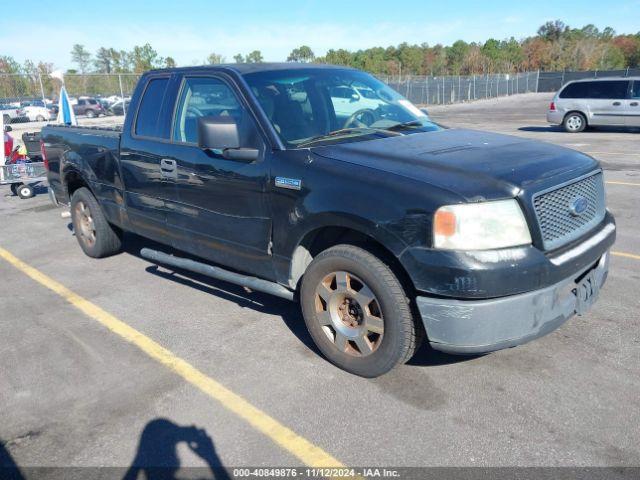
(286,438)
(627,255)
(623,183)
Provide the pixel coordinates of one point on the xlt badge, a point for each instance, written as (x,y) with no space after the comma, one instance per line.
(291,183)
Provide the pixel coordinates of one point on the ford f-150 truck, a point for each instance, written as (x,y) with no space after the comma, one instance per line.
(387,228)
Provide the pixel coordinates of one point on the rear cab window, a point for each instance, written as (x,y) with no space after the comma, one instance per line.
(148,118)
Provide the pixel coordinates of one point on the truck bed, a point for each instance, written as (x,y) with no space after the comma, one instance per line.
(92,151)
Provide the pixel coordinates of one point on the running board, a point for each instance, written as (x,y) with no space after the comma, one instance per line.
(250,283)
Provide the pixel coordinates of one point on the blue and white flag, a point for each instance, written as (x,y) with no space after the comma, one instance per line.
(65,109)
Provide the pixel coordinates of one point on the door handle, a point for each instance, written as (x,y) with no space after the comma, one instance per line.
(634,104)
(168,168)
(616,104)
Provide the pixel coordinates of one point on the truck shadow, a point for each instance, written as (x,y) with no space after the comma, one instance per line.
(261,302)
(428,357)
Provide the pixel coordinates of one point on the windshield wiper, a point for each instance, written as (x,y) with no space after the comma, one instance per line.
(343,131)
(403,125)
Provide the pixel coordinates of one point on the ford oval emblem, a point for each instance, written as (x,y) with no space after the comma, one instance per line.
(578,206)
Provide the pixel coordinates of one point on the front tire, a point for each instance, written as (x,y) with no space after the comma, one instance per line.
(97,238)
(574,122)
(90,114)
(357,311)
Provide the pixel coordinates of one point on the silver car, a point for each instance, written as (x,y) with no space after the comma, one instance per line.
(597,102)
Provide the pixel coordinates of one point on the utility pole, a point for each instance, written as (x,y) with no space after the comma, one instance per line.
(124,109)
(44,103)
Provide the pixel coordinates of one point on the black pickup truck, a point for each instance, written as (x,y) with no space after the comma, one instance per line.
(386,227)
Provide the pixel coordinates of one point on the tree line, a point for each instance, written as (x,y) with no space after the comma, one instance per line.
(556,46)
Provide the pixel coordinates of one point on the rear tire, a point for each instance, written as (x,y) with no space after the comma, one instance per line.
(90,113)
(40,118)
(25,191)
(357,311)
(97,238)
(574,122)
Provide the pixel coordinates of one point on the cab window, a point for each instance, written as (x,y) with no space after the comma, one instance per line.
(148,122)
(200,97)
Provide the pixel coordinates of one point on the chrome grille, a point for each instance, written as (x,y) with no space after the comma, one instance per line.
(558,223)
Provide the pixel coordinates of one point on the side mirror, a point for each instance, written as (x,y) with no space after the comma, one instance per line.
(355,97)
(7,128)
(221,133)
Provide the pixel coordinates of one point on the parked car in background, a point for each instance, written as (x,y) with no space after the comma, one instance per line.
(105,103)
(597,102)
(37,113)
(116,108)
(12,114)
(349,99)
(88,106)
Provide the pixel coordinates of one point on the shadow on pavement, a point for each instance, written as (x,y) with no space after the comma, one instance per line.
(9,470)
(428,357)
(599,129)
(549,128)
(261,302)
(157,455)
(258,301)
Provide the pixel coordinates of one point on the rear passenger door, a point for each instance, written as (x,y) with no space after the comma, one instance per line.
(608,101)
(222,210)
(148,190)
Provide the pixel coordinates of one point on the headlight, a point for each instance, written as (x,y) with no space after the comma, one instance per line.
(480,226)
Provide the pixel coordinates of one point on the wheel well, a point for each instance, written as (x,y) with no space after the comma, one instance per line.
(74,181)
(576,111)
(323,238)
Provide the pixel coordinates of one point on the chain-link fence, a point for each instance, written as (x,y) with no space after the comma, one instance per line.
(21,87)
(19,91)
(461,88)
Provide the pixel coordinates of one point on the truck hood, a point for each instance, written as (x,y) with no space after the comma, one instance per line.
(475,165)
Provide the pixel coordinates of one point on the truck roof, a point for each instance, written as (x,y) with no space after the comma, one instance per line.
(244,68)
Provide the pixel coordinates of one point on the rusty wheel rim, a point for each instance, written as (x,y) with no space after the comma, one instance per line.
(87,229)
(349,314)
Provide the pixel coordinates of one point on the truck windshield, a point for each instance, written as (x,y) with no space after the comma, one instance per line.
(315,106)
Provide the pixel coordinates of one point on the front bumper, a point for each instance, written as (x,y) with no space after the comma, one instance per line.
(480,326)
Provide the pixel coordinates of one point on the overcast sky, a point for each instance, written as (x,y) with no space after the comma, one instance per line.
(189,30)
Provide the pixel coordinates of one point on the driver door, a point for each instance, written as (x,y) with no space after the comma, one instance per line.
(222,210)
